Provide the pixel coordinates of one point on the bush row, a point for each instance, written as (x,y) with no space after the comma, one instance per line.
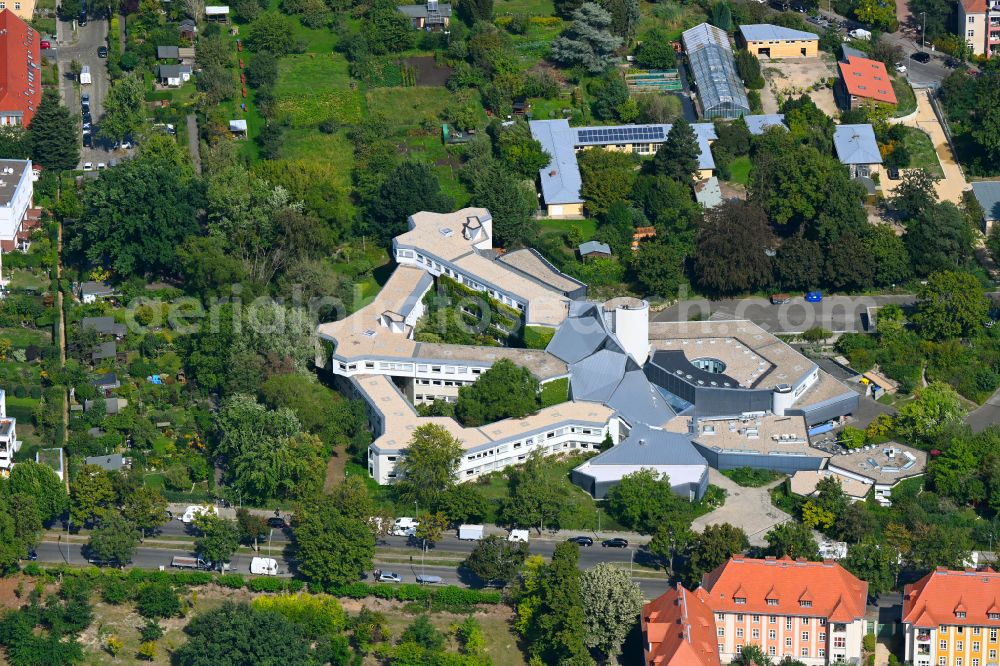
(449,597)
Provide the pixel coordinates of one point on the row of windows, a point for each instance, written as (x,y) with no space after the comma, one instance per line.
(431,398)
(772,634)
(440,382)
(975,630)
(803,603)
(3,6)
(943,661)
(773,619)
(490,466)
(960,646)
(773,651)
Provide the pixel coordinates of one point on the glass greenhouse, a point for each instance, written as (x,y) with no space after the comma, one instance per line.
(720,89)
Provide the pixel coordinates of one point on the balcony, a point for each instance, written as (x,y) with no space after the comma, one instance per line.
(924,636)
(923,650)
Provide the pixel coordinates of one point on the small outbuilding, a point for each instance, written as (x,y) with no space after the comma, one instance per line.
(857,149)
(103,326)
(112,463)
(91,291)
(760,123)
(238,128)
(708,192)
(219,13)
(168,53)
(174,76)
(776,41)
(429,16)
(188,29)
(594,250)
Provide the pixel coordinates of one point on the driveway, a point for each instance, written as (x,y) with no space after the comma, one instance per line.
(81,45)
(951,187)
(746,508)
(988,414)
(839,314)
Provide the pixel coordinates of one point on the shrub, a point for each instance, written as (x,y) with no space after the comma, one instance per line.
(148,650)
(157,600)
(115,591)
(816,334)
(232,581)
(868,642)
(266,585)
(20,391)
(537,337)
(151,631)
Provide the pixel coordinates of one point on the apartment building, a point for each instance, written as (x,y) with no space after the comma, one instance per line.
(810,611)
(9,444)
(16,196)
(952,618)
(979,24)
(679,630)
(20,70)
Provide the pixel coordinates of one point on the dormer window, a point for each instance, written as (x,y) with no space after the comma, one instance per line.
(739,600)
(960,614)
(805,604)
(772,602)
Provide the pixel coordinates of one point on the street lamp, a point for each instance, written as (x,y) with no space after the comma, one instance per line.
(923,31)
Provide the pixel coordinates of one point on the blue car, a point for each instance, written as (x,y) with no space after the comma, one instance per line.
(814,296)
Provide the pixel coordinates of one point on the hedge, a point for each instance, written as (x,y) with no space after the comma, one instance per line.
(449,597)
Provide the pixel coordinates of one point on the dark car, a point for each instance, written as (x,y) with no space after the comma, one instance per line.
(779,299)
(88,140)
(83,19)
(102,51)
(32,555)
(581,540)
(617,542)
(920,56)
(893,173)
(276,522)
(814,296)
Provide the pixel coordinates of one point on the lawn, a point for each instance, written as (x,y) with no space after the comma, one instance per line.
(332,149)
(313,88)
(21,278)
(410,107)
(529,7)
(739,170)
(906,101)
(587,227)
(673,17)
(25,337)
(921,149)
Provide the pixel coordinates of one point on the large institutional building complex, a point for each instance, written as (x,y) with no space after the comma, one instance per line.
(674,397)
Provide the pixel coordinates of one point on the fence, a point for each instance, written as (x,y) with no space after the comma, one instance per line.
(943,121)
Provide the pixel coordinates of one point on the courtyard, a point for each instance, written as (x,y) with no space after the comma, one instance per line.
(793,77)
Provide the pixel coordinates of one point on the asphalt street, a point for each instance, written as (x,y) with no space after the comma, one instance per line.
(154,557)
(839,314)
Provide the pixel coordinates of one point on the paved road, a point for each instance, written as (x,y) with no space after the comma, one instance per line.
(988,414)
(837,313)
(153,558)
(81,45)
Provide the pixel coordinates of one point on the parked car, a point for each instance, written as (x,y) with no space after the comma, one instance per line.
(616,542)
(388,577)
(88,166)
(102,51)
(277,522)
(88,141)
(921,56)
(901,68)
(32,555)
(581,540)
(778,299)
(405,526)
(101,165)
(85,98)
(429,580)
(83,19)
(45,44)
(893,173)
(814,296)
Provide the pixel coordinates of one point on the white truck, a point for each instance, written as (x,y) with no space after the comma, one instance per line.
(85,75)
(470,532)
(860,33)
(181,562)
(405,526)
(192,511)
(518,536)
(264,566)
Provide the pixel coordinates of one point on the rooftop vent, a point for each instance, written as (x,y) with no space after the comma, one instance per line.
(552,174)
(369,333)
(446,232)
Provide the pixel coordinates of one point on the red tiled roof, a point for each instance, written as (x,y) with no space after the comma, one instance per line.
(974,6)
(679,630)
(937,597)
(18,56)
(834,592)
(867,78)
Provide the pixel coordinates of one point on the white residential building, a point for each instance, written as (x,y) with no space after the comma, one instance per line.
(9,444)
(16,193)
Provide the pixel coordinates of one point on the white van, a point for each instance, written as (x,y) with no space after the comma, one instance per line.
(193,511)
(470,532)
(264,566)
(405,526)
(518,535)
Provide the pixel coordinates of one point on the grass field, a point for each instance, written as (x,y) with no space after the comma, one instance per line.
(921,150)
(906,101)
(740,170)
(25,337)
(409,107)
(587,227)
(312,88)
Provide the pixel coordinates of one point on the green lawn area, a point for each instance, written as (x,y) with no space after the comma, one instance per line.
(906,101)
(740,170)
(530,7)
(587,227)
(21,278)
(333,149)
(547,109)
(672,16)
(408,107)
(312,88)
(25,337)
(921,149)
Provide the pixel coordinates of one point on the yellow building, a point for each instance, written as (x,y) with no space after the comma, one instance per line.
(775,41)
(23,9)
(952,618)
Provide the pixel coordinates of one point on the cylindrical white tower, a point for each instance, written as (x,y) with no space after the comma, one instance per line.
(628,319)
(782,398)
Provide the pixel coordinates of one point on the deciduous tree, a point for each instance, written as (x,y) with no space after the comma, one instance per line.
(219,539)
(92,495)
(124,109)
(614,602)
(608,177)
(146,508)
(333,549)
(792,539)
(114,539)
(731,253)
(642,500)
(428,468)
(712,548)
(496,560)
(950,305)
(506,390)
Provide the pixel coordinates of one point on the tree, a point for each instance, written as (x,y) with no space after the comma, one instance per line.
(463,503)
(679,156)
(428,468)
(940,546)
(15,141)
(659,267)
(473,11)
(431,528)
(610,94)
(608,177)
(890,259)
(642,500)
(875,563)
(251,526)
(496,560)
(409,188)
(849,263)
(54,134)
(915,193)
(935,409)
(271,33)
(114,539)
(510,200)
(219,539)
(987,127)
(614,602)
(722,16)
(27,518)
(555,628)
(731,254)
(92,495)
(41,483)
(671,538)
(799,263)
(656,51)
(136,215)
(157,600)
(808,124)
(124,109)
(146,508)
(333,549)
(504,391)
(712,548)
(880,14)
(588,41)
(791,539)
(520,151)
(939,238)
(421,632)
(950,305)
(239,635)
(752,655)
(625,16)
(386,30)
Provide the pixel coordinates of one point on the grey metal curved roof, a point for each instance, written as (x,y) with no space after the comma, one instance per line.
(596,377)
(711,58)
